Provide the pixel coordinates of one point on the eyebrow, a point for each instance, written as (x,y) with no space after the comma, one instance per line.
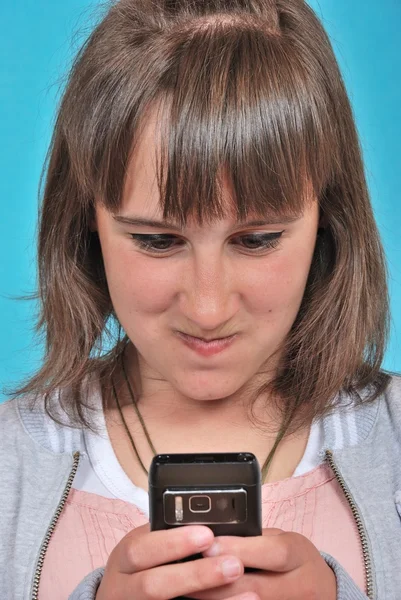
(157,224)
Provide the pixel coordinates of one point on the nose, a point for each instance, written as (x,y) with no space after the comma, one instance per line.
(209,299)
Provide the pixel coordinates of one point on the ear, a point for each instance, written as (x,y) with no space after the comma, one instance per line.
(92,219)
(323,221)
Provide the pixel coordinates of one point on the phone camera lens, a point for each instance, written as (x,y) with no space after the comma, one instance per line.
(200,504)
(222,504)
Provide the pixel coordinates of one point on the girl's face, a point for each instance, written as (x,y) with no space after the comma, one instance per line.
(213,281)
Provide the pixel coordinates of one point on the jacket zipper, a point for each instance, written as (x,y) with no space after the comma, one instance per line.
(359,523)
(329,458)
(52,526)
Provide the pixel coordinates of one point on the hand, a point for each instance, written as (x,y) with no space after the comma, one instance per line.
(291,568)
(138,566)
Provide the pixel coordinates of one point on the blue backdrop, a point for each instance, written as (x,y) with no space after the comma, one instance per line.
(39,39)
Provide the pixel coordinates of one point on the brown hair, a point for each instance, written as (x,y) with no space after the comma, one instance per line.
(249,84)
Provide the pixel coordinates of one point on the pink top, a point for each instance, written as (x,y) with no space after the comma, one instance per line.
(91,525)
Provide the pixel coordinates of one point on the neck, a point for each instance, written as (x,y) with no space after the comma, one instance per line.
(178,424)
(157,399)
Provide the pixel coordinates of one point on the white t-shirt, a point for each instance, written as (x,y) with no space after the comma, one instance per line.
(99,471)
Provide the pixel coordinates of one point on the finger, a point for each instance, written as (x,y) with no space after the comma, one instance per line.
(266,585)
(280,552)
(241,596)
(221,593)
(272,531)
(184,579)
(143,550)
(246,596)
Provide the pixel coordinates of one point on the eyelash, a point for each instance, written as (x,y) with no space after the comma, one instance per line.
(269,241)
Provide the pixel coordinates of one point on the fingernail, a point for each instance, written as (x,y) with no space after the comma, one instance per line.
(202,538)
(231,568)
(214,550)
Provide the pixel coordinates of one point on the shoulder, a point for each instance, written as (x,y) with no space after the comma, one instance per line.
(379,421)
(27,416)
(390,408)
(353,423)
(9,417)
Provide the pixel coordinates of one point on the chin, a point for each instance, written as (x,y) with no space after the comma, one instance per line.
(209,392)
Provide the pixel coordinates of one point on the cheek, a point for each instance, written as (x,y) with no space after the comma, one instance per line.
(280,287)
(135,286)
(151,291)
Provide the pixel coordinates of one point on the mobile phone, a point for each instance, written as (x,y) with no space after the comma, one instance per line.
(220,490)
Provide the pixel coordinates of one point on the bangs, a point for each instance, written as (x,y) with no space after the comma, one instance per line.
(239,102)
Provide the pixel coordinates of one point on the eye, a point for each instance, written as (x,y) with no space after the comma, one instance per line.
(258,241)
(158,243)
(162,243)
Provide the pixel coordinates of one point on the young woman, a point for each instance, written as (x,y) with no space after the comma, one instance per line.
(205,201)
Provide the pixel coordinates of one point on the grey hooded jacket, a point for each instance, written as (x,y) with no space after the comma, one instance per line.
(362,446)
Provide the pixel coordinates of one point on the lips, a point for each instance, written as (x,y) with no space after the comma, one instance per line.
(206,347)
(206,340)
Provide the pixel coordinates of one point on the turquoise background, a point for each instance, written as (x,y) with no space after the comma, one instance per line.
(39,39)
